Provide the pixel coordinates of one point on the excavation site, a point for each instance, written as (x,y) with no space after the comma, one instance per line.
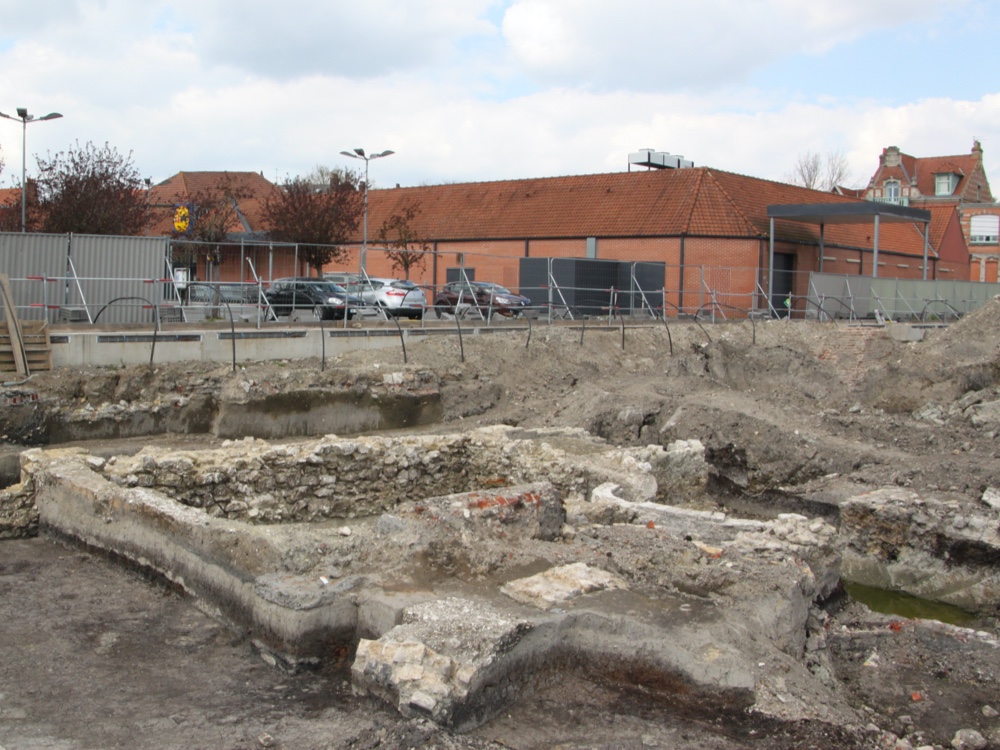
(752,534)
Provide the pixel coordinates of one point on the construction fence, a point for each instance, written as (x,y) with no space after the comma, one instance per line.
(139,280)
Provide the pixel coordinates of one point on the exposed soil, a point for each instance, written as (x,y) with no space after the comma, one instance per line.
(794,416)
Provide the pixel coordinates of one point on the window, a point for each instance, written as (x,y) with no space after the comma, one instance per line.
(984,229)
(945,183)
(891,191)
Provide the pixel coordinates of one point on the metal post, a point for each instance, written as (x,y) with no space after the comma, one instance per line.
(359,153)
(926,241)
(24,185)
(822,245)
(770,265)
(875,251)
(25,118)
(364,231)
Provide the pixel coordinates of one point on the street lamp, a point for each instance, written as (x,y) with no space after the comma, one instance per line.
(25,118)
(359,153)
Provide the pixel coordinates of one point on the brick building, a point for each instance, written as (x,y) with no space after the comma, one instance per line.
(945,184)
(709,227)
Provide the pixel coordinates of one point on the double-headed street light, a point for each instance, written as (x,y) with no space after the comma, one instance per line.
(359,153)
(25,118)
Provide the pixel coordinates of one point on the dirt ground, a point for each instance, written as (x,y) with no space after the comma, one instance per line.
(794,416)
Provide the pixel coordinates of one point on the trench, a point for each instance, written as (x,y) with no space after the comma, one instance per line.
(909,607)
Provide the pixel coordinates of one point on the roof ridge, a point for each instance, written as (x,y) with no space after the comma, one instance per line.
(689,219)
(732,202)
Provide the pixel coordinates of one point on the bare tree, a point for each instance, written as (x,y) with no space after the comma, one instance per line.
(404,248)
(837,170)
(806,171)
(90,190)
(319,219)
(813,171)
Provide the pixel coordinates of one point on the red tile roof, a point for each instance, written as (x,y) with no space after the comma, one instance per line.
(662,203)
(920,171)
(183,186)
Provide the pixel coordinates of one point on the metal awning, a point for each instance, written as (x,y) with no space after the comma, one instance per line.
(847,213)
(859,212)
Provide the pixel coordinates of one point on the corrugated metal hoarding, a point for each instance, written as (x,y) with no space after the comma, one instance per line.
(36,266)
(112,268)
(859,297)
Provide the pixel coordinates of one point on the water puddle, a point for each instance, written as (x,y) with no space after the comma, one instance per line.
(910,607)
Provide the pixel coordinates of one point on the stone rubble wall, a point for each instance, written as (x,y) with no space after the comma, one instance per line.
(358,477)
(18,514)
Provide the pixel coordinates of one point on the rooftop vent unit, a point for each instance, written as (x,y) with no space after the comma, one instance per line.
(647,157)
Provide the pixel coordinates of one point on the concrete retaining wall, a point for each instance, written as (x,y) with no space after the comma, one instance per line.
(87,346)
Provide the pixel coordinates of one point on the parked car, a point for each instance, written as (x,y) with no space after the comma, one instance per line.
(341,278)
(397,297)
(325,299)
(487,297)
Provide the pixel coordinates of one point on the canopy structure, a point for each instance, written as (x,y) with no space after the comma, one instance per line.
(845,213)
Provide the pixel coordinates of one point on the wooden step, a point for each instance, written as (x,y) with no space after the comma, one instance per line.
(35,344)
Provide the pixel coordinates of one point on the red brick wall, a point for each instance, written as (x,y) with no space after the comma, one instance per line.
(557,249)
(728,266)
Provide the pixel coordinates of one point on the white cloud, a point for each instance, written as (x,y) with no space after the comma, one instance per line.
(301,37)
(685,44)
(241,87)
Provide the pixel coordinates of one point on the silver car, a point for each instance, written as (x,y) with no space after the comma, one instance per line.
(397,297)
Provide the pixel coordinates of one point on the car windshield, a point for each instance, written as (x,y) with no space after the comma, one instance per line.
(359,286)
(328,287)
(403,284)
(492,288)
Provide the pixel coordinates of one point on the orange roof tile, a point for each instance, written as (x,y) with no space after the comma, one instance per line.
(697,201)
(183,186)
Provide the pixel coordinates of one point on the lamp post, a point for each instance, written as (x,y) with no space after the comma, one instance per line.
(25,118)
(359,153)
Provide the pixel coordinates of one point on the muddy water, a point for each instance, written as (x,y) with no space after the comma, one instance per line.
(910,607)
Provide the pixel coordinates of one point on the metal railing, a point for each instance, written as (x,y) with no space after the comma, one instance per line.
(67,279)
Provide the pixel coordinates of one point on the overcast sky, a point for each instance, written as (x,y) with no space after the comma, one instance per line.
(469,90)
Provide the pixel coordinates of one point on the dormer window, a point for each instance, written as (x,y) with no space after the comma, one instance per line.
(945,183)
(891,192)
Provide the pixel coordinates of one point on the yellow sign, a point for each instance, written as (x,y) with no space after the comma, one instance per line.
(182,219)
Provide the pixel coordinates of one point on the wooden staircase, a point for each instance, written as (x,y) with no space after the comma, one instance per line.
(24,344)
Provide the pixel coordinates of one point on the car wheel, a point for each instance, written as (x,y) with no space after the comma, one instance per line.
(438,311)
(319,312)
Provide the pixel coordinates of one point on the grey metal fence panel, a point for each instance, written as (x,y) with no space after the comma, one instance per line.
(109,268)
(844,296)
(36,265)
(840,295)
